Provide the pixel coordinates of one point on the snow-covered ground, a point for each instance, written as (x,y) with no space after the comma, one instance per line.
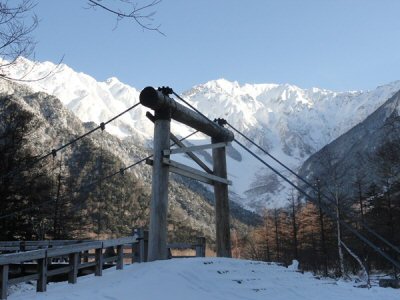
(205,279)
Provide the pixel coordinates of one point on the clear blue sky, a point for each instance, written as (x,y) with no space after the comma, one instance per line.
(333,44)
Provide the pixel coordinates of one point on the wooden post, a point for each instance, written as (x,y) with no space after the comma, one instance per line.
(42,270)
(145,245)
(86,256)
(120,257)
(201,247)
(140,246)
(223,238)
(99,262)
(4,281)
(73,273)
(159,197)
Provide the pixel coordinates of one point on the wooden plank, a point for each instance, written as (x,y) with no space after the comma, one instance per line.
(9,248)
(223,231)
(119,241)
(87,265)
(23,279)
(10,244)
(194,148)
(120,257)
(73,263)
(58,271)
(16,258)
(180,246)
(42,280)
(194,173)
(159,189)
(156,100)
(99,262)
(4,281)
(110,259)
(68,249)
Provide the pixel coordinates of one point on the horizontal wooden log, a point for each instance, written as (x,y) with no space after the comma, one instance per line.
(9,248)
(194,148)
(65,250)
(58,271)
(23,279)
(155,100)
(119,241)
(87,265)
(180,246)
(10,244)
(16,258)
(181,169)
(110,259)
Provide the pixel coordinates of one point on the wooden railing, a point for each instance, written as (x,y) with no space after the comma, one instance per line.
(78,257)
(92,256)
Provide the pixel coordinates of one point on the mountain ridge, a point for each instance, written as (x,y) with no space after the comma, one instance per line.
(290,122)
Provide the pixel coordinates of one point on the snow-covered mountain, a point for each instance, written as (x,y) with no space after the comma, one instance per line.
(290,122)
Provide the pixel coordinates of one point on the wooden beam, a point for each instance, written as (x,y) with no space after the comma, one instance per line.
(194,148)
(223,238)
(194,173)
(119,241)
(156,100)
(159,189)
(197,160)
(4,281)
(16,258)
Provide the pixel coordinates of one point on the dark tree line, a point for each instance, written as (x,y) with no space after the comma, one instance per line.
(61,197)
(304,231)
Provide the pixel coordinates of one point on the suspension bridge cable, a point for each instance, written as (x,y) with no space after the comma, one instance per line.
(328,212)
(369,229)
(53,152)
(120,171)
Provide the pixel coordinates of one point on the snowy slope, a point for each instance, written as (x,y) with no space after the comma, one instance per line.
(292,123)
(205,278)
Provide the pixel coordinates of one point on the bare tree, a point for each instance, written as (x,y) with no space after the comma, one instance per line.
(17,22)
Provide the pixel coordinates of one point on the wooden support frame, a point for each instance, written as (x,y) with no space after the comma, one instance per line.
(194,148)
(181,145)
(166,109)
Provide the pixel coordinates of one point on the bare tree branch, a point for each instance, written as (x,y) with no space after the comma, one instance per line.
(140,14)
(17,22)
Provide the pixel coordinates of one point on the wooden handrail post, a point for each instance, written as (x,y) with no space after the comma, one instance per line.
(159,190)
(73,273)
(42,270)
(120,257)
(140,248)
(201,247)
(99,262)
(4,281)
